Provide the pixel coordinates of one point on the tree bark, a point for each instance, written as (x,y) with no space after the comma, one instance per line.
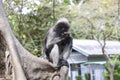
(111,75)
(16,63)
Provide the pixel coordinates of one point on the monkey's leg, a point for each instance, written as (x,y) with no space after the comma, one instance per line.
(54,55)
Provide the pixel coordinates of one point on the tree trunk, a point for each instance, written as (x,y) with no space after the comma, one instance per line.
(16,63)
(112,74)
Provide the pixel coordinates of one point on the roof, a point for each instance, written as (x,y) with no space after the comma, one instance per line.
(92,47)
(77,58)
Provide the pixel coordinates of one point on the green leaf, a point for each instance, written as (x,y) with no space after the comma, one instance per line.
(17,2)
(66,1)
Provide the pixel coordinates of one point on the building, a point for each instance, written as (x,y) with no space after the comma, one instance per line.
(87,58)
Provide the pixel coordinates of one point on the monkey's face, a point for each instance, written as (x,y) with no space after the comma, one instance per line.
(62,28)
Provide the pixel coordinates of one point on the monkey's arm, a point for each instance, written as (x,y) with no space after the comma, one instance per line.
(68,48)
(52,42)
(52,39)
(66,52)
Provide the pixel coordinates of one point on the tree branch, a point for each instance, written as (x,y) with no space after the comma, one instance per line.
(26,66)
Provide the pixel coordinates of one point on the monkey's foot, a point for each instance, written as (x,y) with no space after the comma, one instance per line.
(64,63)
(61,63)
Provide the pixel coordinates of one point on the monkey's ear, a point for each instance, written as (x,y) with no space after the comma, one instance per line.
(55,28)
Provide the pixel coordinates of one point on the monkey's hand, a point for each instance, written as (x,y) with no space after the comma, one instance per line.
(65,34)
(61,63)
(57,40)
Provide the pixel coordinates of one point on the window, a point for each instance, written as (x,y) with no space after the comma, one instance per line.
(76,67)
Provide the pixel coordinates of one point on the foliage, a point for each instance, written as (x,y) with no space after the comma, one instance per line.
(69,78)
(116,71)
(87,76)
(31,19)
(79,77)
(31,28)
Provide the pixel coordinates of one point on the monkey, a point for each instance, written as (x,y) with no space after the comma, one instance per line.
(58,43)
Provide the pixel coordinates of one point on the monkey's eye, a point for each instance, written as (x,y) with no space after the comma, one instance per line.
(63,29)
